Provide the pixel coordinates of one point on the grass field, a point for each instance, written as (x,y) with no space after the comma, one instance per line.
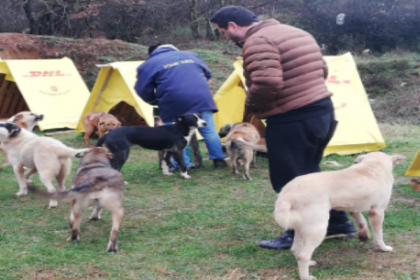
(203,228)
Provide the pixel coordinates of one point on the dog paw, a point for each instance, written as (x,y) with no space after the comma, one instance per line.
(53,204)
(386,248)
(186,176)
(312,263)
(126,183)
(20,193)
(112,248)
(95,218)
(71,238)
(168,173)
(247,178)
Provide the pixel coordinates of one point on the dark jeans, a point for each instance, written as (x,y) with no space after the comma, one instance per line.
(296,148)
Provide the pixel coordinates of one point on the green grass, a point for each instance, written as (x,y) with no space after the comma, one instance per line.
(203,228)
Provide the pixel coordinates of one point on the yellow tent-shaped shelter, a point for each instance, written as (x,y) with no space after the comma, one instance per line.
(52,87)
(414,168)
(357,129)
(114,87)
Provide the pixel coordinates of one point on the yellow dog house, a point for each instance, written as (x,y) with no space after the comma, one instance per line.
(414,168)
(357,129)
(52,87)
(114,92)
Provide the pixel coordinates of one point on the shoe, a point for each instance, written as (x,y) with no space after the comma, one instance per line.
(284,241)
(341,230)
(219,163)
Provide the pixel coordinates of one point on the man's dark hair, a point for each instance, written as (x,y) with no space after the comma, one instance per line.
(237,14)
(154,47)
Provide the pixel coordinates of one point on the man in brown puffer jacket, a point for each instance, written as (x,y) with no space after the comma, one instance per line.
(285,74)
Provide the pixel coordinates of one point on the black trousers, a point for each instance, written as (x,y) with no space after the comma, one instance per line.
(296,148)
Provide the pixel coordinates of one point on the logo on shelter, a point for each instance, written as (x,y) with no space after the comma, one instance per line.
(52,73)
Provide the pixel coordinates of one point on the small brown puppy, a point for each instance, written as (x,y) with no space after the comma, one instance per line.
(26,120)
(97,182)
(100,121)
(242,138)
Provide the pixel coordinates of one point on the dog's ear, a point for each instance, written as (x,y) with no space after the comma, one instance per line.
(109,155)
(18,117)
(397,159)
(359,159)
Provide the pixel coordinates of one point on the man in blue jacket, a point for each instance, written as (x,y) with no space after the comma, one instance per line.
(176,81)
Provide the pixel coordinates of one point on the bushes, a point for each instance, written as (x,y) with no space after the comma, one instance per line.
(401,105)
(379,25)
(384,74)
(392,83)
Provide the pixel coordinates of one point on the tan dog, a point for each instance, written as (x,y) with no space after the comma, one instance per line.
(26,120)
(102,122)
(305,202)
(48,156)
(95,182)
(242,138)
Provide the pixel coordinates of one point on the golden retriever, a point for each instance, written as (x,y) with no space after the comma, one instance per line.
(305,202)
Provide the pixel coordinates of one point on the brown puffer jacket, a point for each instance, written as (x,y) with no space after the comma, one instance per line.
(284,69)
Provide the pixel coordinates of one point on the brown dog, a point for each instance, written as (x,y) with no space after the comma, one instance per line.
(26,120)
(242,138)
(97,182)
(100,121)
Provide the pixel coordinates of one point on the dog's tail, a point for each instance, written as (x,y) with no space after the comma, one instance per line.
(68,195)
(282,213)
(62,196)
(242,144)
(68,152)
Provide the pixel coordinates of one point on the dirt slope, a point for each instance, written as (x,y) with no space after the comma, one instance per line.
(84,52)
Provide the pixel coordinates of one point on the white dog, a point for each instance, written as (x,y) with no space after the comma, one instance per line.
(305,202)
(26,120)
(48,156)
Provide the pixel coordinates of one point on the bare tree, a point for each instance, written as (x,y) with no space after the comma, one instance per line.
(192,4)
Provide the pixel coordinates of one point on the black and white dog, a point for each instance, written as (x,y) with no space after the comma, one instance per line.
(170,139)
